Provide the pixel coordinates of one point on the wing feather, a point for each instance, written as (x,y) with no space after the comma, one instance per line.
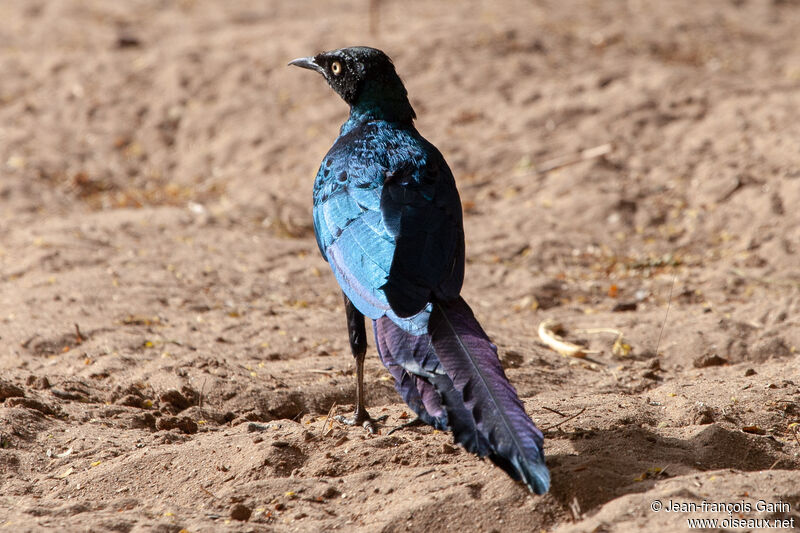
(390,226)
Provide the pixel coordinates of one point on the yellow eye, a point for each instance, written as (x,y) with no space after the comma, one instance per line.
(336,68)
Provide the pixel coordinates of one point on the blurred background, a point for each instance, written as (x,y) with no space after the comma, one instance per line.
(626,133)
(164,102)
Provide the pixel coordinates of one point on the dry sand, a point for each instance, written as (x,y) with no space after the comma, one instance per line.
(157,159)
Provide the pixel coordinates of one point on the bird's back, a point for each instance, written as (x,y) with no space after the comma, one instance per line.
(388,217)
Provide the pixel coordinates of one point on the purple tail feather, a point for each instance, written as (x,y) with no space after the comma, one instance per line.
(453,375)
(423,384)
(418,394)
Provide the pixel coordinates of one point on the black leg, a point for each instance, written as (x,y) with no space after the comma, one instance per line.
(358,345)
(356,329)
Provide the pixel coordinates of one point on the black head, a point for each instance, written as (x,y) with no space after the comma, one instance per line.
(365,78)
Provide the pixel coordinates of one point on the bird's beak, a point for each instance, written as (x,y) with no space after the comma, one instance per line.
(306,62)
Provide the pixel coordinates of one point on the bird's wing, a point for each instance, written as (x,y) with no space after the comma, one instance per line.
(422,211)
(348,225)
(391,230)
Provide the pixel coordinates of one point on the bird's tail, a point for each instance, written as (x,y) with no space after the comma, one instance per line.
(457,359)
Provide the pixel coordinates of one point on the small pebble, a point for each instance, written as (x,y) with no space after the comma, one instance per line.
(241,512)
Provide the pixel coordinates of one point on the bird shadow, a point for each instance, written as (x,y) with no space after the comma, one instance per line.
(612,463)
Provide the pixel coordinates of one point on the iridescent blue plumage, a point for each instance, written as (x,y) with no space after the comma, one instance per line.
(387,217)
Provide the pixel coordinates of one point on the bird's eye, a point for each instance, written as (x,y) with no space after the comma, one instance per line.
(336,68)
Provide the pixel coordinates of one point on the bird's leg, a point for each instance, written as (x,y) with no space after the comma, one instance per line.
(358,345)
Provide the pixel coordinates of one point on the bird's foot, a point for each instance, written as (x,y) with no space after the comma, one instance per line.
(361,418)
(411,424)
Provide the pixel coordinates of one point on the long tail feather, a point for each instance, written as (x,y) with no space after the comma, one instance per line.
(431,385)
(452,379)
(470,360)
(418,394)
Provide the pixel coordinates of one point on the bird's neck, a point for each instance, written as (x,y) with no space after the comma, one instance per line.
(381,103)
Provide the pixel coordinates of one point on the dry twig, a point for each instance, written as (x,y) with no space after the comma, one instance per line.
(583,155)
(79,337)
(209,493)
(666,313)
(547,332)
(556,411)
(332,410)
(579,413)
(575,508)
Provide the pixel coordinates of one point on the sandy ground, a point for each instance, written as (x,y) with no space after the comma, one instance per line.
(172,342)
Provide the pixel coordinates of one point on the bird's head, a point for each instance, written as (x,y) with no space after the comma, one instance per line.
(365,78)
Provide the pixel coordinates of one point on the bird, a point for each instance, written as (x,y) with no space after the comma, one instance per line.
(388,219)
